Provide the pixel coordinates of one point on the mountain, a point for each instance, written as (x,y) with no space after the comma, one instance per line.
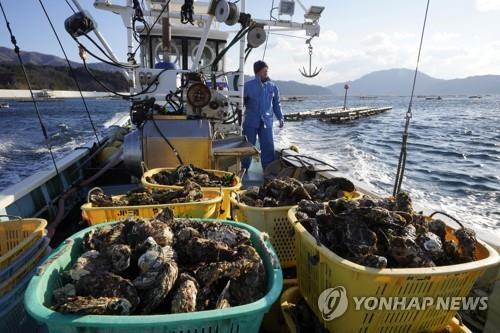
(297,88)
(397,82)
(8,56)
(58,78)
(300,89)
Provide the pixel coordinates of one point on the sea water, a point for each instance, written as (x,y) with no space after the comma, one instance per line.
(453,148)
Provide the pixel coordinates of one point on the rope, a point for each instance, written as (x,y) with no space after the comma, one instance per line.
(74,11)
(167,140)
(403,153)
(154,81)
(73,74)
(17,51)
(268,30)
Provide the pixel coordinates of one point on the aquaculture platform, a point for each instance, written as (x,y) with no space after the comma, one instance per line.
(336,114)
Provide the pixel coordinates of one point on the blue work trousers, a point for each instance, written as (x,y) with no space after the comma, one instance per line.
(265,134)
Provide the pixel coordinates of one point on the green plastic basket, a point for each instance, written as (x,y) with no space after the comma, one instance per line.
(240,319)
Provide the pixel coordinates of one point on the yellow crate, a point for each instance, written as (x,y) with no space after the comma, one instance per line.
(271,220)
(318,269)
(274,222)
(11,282)
(292,295)
(208,208)
(16,236)
(226,191)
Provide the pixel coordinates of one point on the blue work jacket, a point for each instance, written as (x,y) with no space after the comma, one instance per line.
(262,99)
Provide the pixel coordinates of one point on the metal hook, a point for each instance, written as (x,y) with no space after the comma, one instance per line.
(303,70)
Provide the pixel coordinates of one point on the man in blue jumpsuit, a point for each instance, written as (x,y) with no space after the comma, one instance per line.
(262,99)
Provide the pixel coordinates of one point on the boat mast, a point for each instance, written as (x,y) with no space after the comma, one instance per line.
(241,69)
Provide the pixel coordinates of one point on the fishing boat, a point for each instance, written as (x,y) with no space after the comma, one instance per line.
(4,105)
(186,106)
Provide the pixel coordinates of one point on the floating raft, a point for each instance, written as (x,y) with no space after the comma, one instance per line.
(336,114)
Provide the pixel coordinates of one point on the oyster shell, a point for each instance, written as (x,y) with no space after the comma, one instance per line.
(95,306)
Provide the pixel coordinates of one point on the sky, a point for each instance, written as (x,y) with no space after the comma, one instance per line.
(357,37)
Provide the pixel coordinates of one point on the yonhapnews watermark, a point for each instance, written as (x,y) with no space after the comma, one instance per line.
(333,303)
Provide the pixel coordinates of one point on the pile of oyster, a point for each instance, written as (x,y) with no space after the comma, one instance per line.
(289,191)
(191,192)
(163,265)
(190,172)
(385,233)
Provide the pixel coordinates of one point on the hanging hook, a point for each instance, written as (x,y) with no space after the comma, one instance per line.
(303,70)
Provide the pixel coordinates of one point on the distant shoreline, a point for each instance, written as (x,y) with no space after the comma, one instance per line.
(24,94)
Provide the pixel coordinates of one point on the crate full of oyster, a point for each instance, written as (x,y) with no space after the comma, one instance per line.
(350,250)
(266,207)
(161,274)
(188,201)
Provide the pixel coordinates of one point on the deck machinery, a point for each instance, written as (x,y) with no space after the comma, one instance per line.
(186,104)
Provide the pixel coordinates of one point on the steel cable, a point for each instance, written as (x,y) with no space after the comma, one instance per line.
(403,153)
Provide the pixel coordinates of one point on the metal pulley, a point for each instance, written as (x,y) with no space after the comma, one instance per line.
(256,37)
(310,74)
(79,24)
(227,12)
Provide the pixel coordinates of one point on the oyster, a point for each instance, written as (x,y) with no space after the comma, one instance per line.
(151,298)
(99,239)
(95,306)
(467,242)
(89,262)
(119,255)
(184,299)
(108,285)
(151,264)
(203,250)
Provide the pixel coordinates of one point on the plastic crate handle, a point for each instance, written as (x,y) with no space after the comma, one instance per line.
(15,217)
(92,191)
(144,167)
(234,208)
(313,259)
(448,216)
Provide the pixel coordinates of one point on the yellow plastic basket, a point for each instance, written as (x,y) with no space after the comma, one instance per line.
(16,236)
(11,282)
(209,207)
(274,222)
(318,269)
(271,220)
(292,295)
(226,191)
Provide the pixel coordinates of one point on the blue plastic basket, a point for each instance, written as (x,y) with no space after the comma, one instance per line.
(13,316)
(240,319)
(20,261)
